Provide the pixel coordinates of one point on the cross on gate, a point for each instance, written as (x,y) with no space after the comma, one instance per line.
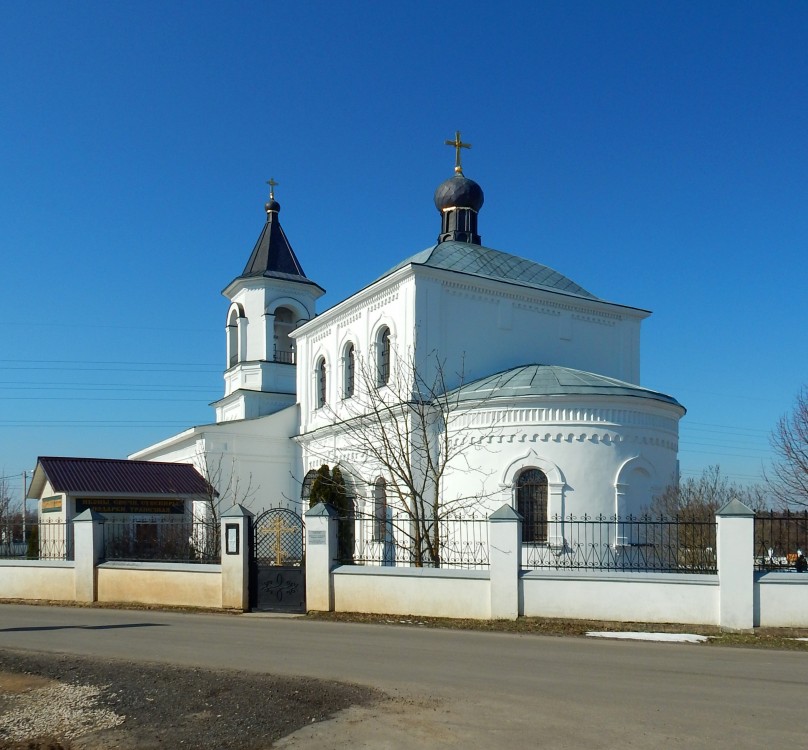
(278,529)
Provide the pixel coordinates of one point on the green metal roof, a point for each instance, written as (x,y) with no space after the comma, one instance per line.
(551,380)
(465,257)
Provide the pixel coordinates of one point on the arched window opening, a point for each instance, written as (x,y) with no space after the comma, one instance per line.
(383,357)
(380,510)
(350,368)
(232,339)
(284,345)
(531,503)
(321,383)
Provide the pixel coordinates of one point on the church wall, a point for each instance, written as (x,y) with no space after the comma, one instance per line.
(491,327)
(484,328)
(388,304)
(572,443)
(608,456)
(258,453)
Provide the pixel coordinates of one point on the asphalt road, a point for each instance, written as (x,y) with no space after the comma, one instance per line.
(466,689)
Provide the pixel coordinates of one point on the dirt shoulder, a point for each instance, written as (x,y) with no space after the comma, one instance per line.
(60,702)
(779,638)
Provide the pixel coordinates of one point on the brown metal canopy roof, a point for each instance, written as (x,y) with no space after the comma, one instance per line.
(117,477)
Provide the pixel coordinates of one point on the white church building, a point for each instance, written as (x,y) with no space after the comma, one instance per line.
(529,383)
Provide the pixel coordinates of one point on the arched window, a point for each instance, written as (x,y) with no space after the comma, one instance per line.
(284,345)
(379,510)
(531,503)
(232,338)
(321,383)
(383,357)
(349,371)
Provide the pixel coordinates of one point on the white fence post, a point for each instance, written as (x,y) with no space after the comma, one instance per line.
(505,559)
(321,553)
(735,538)
(88,543)
(236,539)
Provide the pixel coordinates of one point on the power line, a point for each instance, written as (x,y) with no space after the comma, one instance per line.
(117,422)
(97,398)
(119,368)
(104,362)
(26,386)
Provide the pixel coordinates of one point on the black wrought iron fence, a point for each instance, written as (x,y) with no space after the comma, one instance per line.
(664,545)
(367,539)
(43,540)
(164,540)
(781,541)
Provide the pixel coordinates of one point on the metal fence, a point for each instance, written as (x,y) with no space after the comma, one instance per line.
(781,541)
(664,545)
(164,540)
(367,539)
(44,540)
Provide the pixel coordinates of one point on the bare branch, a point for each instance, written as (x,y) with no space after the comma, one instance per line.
(405,431)
(788,478)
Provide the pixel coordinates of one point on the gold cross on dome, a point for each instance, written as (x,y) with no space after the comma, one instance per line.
(272,184)
(458,144)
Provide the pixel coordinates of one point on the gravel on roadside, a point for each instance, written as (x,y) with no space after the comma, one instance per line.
(89,704)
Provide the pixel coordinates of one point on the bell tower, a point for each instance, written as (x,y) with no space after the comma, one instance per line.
(270,298)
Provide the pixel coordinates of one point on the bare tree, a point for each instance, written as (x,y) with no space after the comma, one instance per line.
(698,498)
(11,521)
(402,426)
(683,517)
(788,478)
(5,513)
(224,489)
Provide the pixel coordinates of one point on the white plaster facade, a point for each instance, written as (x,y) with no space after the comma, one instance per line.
(607,448)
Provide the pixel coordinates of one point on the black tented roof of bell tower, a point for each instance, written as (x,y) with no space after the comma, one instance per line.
(273,256)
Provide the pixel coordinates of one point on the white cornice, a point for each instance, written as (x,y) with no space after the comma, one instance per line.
(371,297)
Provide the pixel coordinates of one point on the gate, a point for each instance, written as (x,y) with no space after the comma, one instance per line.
(277,569)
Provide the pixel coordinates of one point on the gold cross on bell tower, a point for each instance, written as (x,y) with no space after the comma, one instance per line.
(458,144)
(272,184)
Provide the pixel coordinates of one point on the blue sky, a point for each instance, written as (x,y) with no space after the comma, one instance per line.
(654,152)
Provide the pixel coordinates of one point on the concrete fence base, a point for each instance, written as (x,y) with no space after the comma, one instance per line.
(734,598)
(87,578)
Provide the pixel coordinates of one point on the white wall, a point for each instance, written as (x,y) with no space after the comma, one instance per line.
(580,443)
(494,326)
(173,585)
(37,579)
(624,597)
(412,591)
(781,600)
(258,452)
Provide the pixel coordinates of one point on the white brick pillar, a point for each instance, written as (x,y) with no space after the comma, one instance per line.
(236,539)
(505,559)
(736,565)
(88,546)
(321,555)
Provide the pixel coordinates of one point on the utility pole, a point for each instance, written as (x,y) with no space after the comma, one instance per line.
(24,505)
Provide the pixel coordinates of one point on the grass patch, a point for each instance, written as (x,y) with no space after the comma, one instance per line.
(778,638)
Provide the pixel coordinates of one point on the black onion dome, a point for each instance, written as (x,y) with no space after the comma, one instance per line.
(272,205)
(459,192)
